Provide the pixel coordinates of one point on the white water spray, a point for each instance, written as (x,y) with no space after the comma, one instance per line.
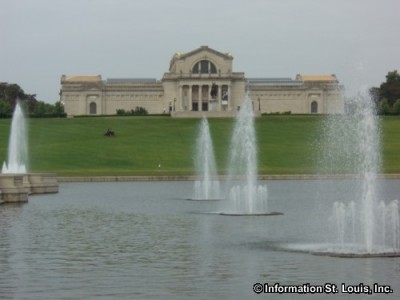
(366,224)
(247,197)
(207,185)
(18,145)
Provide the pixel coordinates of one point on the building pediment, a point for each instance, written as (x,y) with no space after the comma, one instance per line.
(204,50)
(185,63)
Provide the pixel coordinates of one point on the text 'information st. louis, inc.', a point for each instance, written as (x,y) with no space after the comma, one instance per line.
(327,288)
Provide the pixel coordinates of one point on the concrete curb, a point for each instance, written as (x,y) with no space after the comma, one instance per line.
(192,178)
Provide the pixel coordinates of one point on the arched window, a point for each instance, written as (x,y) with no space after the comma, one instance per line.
(93,108)
(314,107)
(204,67)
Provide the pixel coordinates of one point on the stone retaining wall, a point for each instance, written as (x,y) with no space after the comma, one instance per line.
(192,178)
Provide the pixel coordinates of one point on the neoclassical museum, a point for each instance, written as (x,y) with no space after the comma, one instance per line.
(201,82)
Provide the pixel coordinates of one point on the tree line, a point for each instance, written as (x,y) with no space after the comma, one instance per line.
(10,92)
(387,96)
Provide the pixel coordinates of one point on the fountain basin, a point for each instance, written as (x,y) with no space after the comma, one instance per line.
(16,187)
(13,189)
(355,251)
(205,199)
(357,255)
(341,251)
(260,214)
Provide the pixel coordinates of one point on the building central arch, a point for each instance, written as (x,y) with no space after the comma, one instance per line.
(204,67)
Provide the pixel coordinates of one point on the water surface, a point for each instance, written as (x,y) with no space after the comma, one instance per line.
(144,241)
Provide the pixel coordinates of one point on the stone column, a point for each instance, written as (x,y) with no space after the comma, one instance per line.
(209,103)
(200,103)
(180,99)
(219,98)
(103,104)
(190,105)
(229,98)
(209,97)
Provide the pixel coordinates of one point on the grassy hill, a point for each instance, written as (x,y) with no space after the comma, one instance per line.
(286,145)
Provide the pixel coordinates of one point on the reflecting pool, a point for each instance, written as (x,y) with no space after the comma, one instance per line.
(143,240)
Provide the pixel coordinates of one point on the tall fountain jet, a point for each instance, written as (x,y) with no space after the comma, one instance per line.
(207,185)
(17,145)
(246,196)
(365,225)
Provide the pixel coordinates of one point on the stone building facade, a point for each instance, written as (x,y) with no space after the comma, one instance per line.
(201,82)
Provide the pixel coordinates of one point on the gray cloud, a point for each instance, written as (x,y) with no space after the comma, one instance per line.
(42,39)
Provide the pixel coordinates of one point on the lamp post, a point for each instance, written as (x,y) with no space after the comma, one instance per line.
(259,104)
(174,103)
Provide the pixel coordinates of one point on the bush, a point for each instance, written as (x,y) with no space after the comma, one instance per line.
(396,107)
(121,112)
(5,109)
(383,107)
(37,109)
(138,111)
(46,110)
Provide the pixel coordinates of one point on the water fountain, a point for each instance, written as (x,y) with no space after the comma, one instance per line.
(246,196)
(17,146)
(365,226)
(356,223)
(15,182)
(207,185)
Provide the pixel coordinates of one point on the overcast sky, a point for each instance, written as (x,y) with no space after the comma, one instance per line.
(358,40)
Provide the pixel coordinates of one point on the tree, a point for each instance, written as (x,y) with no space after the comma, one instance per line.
(9,93)
(39,110)
(374,92)
(383,108)
(5,109)
(59,110)
(46,110)
(391,88)
(396,107)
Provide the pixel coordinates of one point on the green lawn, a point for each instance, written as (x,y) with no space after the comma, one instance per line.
(77,146)
(391,144)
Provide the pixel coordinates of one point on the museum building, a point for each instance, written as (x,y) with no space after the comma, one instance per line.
(201,82)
